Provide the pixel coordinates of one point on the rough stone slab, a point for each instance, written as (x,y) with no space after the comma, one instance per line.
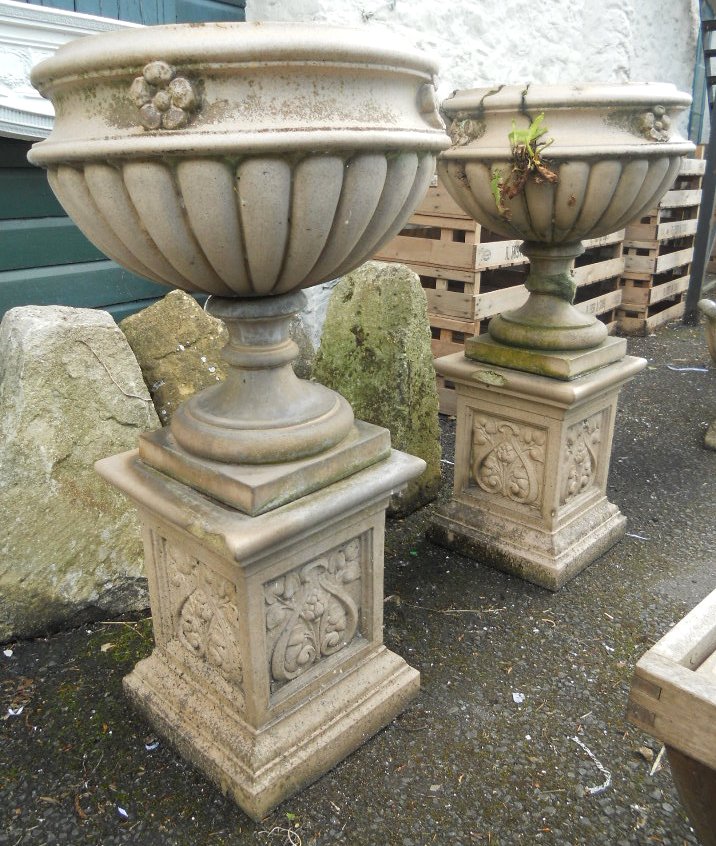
(71,392)
(557,364)
(178,346)
(256,488)
(375,351)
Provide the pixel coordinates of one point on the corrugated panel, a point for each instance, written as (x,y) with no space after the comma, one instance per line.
(155,11)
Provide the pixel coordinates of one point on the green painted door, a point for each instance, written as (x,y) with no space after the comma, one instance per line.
(44,258)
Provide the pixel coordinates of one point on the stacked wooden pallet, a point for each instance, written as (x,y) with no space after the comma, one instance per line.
(657,255)
(470,274)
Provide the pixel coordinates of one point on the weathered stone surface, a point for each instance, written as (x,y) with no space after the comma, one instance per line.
(178,346)
(375,351)
(710,438)
(70,393)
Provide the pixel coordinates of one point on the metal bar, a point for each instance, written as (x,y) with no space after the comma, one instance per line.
(704,236)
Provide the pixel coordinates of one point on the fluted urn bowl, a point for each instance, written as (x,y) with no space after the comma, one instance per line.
(555,165)
(184,151)
(246,161)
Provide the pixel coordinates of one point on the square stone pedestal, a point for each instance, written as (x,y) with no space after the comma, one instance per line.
(531,464)
(269,666)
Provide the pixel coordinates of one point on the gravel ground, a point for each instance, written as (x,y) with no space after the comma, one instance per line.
(523,691)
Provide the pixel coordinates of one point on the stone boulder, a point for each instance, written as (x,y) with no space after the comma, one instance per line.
(178,346)
(70,392)
(375,351)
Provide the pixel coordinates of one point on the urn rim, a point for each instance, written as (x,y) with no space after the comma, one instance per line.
(231,42)
(529,97)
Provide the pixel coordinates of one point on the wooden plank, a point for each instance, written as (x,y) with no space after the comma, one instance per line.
(43,242)
(428,251)
(464,224)
(653,264)
(601,304)
(635,292)
(436,270)
(668,289)
(677,199)
(437,201)
(447,396)
(493,254)
(665,316)
(675,259)
(693,639)
(589,273)
(604,240)
(661,231)
(675,705)
(493,302)
(692,167)
(441,348)
(441,321)
(450,303)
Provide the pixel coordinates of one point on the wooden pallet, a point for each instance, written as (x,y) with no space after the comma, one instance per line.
(636,321)
(657,255)
(447,396)
(647,259)
(602,261)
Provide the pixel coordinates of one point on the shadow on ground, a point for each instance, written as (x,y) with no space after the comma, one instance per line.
(512,677)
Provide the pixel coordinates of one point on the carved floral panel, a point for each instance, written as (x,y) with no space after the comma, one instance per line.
(507,459)
(313,612)
(580,457)
(203,611)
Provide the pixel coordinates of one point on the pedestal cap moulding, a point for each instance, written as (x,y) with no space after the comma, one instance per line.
(554,165)
(246,161)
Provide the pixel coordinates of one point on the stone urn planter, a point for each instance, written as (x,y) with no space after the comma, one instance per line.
(249,161)
(555,165)
(537,395)
(673,698)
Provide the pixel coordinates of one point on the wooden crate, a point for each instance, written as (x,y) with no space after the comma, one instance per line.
(635,320)
(658,250)
(602,261)
(456,248)
(447,396)
(449,334)
(673,692)
(648,259)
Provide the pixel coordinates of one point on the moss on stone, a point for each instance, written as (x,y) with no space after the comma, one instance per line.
(375,351)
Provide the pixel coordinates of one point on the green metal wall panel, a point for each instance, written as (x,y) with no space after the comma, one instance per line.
(42,242)
(83,285)
(155,11)
(44,258)
(25,193)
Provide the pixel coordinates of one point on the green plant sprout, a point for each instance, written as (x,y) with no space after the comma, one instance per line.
(527,148)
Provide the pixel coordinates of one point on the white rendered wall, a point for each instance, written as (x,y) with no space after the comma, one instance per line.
(483,42)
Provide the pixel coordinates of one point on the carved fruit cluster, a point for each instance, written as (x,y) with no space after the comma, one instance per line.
(656,124)
(164,100)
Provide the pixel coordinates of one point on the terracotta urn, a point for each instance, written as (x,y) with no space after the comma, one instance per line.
(554,165)
(246,161)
